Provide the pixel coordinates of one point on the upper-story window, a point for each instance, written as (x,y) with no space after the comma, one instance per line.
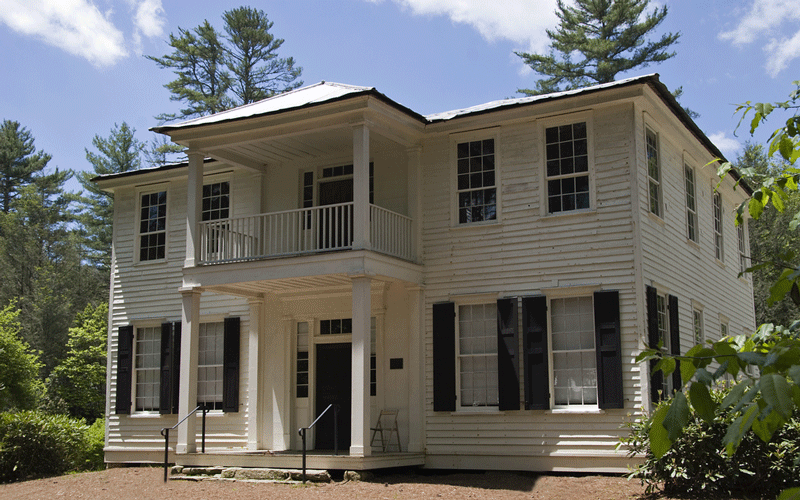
(477,192)
(717,213)
(216,201)
(691,204)
(153,226)
(567,167)
(653,172)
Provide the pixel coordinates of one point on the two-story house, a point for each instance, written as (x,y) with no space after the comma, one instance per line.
(490,272)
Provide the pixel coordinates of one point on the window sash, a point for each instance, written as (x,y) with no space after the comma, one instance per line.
(718,246)
(573,351)
(691,205)
(477,356)
(742,248)
(697,319)
(210,364)
(653,172)
(153,226)
(216,201)
(147,369)
(567,167)
(476,180)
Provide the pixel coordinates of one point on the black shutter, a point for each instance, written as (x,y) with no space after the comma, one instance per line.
(656,379)
(124,368)
(534,341)
(675,341)
(167,352)
(507,359)
(609,350)
(230,364)
(444,357)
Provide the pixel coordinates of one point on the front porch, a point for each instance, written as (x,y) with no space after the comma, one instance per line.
(315,459)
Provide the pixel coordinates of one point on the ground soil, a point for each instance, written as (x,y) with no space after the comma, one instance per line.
(147,483)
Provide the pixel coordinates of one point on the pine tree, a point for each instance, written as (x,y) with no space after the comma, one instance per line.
(609,35)
(119,152)
(19,161)
(214,76)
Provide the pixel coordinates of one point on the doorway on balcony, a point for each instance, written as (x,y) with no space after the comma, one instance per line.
(334,370)
(336,222)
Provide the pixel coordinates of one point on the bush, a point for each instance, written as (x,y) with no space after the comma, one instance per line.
(697,465)
(34,444)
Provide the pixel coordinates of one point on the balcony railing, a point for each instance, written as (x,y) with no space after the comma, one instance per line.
(301,231)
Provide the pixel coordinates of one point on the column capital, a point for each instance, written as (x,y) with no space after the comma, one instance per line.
(187,291)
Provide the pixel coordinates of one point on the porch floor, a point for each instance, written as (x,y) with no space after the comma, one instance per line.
(293,459)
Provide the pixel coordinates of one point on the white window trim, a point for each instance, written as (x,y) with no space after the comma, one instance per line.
(475,135)
(140,191)
(136,326)
(565,293)
(661,205)
(544,124)
(469,300)
(686,162)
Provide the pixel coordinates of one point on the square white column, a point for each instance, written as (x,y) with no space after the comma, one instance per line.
(187,397)
(194,201)
(360,407)
(255,416)
(361,228)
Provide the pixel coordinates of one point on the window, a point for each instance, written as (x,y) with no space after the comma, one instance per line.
(567,168)
(210,365)
(653,172)
(742,248)
(302,359)
(336,326)
(476,194)
(153,226)
(574,356)
(216,201)
(664,339)
(477,355)
(718,248)
(147,373)
(697,316)
(723,330)
(691,205)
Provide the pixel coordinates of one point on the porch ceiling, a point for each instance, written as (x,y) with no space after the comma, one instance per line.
(304,285)
(331,142)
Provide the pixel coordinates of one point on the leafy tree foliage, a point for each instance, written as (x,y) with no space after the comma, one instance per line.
(119,152)
(216,72)
(77,384)
(19,161)
(765,367)
(771,238)
(609,36)
(20,387)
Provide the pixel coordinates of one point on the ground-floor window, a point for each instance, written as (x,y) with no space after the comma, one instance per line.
(477,355)
(147,368)
(210,365)
(574,357)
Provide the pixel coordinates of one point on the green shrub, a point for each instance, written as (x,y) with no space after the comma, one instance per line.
(698,466)
(34,444)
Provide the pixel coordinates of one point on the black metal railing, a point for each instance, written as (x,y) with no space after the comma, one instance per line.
(303,430)
(165,433)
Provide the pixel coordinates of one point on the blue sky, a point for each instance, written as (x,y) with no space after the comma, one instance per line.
(74,68)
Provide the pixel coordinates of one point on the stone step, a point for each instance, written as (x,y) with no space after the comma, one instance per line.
(248,474)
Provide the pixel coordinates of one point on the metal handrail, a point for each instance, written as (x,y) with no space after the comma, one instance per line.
(165,433)
(302,432)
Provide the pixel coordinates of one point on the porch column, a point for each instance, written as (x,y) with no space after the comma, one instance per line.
(416,384)
(415,200)
(361,229)
(360,407)
(194,201)
(255,416)
(187,397)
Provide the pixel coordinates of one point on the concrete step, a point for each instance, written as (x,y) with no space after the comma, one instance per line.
(179,472)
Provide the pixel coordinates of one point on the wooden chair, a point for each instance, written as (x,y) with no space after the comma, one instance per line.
(386,426)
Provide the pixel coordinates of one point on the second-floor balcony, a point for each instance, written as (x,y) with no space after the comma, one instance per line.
(302,231)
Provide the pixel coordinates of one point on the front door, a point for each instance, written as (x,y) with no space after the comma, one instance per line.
(334,369)
(336,223)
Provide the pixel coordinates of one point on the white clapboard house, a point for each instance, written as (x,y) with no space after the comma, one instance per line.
(490,273)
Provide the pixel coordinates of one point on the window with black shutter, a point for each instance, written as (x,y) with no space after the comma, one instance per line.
(230,375)
(170,367)
(535,357)
(507,358)
(444,360)
(609,350)
(124,369)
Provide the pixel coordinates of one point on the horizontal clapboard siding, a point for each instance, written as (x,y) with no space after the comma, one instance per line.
(147,293)
(523,254)
(688,270)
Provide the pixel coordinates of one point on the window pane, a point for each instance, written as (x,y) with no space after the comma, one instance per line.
(574,357)
(477,331)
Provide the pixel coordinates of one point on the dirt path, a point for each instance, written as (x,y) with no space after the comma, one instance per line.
(147,483)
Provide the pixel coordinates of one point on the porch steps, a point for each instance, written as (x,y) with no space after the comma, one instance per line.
(180,472)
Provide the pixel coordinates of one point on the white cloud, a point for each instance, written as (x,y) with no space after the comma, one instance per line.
(520,21)
(79,28)
(766,18)
(728,145)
